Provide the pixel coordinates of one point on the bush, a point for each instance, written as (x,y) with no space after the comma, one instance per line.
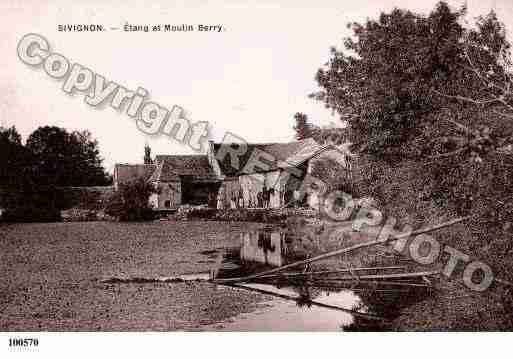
(259,215)
(79,215)
(32,203)
(131,202)
(31,213)
(90,198)
(333,174)
(250,215)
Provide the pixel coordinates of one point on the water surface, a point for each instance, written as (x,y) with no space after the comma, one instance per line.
(305,305)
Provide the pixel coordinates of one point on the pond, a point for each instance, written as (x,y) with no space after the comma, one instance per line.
(304,303)
(122,276)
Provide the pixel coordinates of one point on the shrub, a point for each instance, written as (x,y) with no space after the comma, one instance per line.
(131,202)
(32,204)
(31,213)
(259,215)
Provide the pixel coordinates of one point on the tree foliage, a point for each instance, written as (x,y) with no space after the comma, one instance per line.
(32,175)
(15,159)
(131,201)
(332,173)
(430,94)
(324,135)
(386,82)
(429,103)
(67,159)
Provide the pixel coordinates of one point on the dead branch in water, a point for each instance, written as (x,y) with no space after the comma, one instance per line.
(362,278)
(389,276)
(327,287)
(301,274)
(344,250)
(403,284)
(318,304)
(345,284)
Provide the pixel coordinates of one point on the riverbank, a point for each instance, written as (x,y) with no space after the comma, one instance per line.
(451,306)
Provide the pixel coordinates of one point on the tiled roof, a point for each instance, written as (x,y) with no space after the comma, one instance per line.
(125,173)
(172,167)
(285,154)
(168,168)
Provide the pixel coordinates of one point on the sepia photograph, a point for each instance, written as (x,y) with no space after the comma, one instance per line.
(171,166)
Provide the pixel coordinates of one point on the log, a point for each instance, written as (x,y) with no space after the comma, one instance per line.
(300,274)
(335,287)
(345,285)
(343,250)
(400,284)
(389,276)
(377,290)
(369,276)
(318,304)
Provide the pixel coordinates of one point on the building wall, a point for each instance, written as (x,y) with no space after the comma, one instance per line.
(254,183)
(212,160)
(248,186)
(229,189)
(168,191)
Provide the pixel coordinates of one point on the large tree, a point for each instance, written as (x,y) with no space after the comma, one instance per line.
(387,81)
(67,159)
(22,198)
(305,129)
(13,157)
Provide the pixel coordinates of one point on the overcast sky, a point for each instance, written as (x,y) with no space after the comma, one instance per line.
(249,79)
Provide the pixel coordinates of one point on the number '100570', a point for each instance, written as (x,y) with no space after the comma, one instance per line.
(23,342)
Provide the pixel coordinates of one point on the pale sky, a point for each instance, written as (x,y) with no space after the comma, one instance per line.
(249,80)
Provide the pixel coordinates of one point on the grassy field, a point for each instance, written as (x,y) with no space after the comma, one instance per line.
(50,276)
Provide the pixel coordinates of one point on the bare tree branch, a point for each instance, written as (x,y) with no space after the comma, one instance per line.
(471,100)
(448,154)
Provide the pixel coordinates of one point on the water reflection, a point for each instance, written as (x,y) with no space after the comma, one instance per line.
(325,303)
(263,247)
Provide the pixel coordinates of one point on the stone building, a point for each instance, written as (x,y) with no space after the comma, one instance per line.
(233,175)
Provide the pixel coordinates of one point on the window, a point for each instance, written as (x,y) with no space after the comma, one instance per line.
(167,204)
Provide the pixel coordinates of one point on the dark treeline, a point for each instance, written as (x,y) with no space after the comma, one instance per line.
(428,109)
(33,175)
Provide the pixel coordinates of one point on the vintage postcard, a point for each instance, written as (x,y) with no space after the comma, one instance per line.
(255,166)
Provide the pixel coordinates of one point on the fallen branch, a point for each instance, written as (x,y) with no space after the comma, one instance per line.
(376,290)
(318,304)
(363,277)
(448,154)
(302,274)
(400,284)
(502,281)
(391,276)
(343,250)
(358,286)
